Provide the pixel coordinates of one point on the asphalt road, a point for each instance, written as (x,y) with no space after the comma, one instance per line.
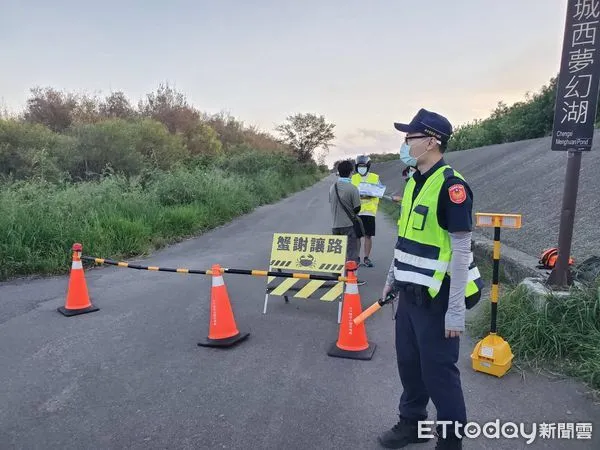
(526,178)
(132,376)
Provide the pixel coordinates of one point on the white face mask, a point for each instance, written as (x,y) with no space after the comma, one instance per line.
(362,170)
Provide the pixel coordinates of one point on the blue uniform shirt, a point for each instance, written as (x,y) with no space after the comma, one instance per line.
(454,214)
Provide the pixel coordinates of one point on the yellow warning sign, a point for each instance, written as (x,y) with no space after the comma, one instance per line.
(308,252)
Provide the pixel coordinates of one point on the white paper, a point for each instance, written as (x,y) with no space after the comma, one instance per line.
(371,190)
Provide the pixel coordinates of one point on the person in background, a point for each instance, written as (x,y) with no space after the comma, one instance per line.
(342,223)
(407,173)
(369,205)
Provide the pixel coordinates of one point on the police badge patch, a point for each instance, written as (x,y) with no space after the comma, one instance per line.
(457,193)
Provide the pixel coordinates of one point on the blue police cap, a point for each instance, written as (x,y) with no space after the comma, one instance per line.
(427,122)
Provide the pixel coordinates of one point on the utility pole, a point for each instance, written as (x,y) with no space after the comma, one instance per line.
(575,115)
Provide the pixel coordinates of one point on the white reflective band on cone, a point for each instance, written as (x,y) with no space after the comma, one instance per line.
(218,281)
(351,288)
(77,265)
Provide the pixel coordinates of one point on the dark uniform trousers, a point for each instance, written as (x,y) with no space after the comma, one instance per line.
(426,358)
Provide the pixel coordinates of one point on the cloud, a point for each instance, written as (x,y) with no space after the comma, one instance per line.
(362,141)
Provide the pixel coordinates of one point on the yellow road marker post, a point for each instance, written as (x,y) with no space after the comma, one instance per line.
(492,354)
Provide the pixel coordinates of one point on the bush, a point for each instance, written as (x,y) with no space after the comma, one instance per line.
(31,151)
(74,115)
(159,148)
(203,140)
(106,146)
(124,181)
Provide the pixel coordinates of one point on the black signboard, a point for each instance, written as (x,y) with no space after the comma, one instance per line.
(577,89)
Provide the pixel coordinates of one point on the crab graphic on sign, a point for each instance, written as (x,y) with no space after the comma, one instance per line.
(306,261)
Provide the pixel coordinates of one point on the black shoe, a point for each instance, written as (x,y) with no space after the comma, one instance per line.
(450,442)
(400,435)
(368,262)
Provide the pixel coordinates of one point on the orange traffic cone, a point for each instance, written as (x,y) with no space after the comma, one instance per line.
(352,341)
(223,331)
(78,299)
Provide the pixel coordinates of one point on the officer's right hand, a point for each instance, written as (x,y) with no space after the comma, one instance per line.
(386,290)
(397,198)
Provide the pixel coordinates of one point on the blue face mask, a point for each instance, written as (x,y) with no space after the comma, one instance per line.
(405,155)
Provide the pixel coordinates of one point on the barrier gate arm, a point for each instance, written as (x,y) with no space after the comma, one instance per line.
(252,272)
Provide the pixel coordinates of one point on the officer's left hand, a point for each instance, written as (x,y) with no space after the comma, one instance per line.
(453,333)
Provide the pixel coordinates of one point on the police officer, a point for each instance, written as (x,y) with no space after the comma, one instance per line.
(368,208)
(434,277)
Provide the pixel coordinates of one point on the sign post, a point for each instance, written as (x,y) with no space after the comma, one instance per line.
(575,114)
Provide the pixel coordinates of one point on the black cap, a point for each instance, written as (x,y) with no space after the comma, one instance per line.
(429,123)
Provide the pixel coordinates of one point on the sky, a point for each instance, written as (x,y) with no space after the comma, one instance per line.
(363,65)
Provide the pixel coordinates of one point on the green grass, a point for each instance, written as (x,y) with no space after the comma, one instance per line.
(119,217)
(563,336)
(390,209)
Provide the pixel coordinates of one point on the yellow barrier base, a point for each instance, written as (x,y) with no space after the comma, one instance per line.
(492,355)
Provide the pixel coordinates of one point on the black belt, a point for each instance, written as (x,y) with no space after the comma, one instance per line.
(414,293)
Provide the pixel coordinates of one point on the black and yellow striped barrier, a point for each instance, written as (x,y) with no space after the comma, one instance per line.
(256,273)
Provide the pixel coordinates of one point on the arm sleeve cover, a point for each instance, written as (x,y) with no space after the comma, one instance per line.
(459,273)
(390,276)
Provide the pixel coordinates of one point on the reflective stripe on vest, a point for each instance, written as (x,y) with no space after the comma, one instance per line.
(420,262)
(423,271)
(368,206)
(423,251)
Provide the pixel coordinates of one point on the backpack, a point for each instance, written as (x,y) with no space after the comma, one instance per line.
(548,259)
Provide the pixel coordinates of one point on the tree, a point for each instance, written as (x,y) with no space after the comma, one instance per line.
(117,106)
(171,108)
(304,133)
(51,108)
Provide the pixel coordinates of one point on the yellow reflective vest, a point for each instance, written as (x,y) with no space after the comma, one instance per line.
(368,206)
(423,251)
